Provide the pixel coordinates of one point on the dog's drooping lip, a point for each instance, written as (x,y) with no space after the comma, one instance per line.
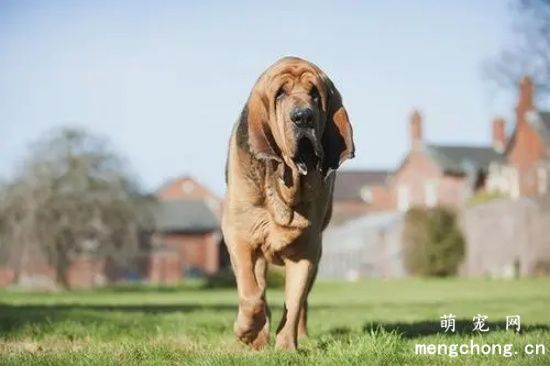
(308,153)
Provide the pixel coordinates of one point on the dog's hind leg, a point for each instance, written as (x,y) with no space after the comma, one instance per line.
(302,322)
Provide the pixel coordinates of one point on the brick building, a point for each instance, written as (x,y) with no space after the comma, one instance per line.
(434,174)
(7,276)
(85,271)
(187,240)
(524,170)
(357,192)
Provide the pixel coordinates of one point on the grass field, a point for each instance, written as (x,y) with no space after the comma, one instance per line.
(370,322)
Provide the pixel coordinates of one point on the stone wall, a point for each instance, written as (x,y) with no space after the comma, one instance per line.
(507,238)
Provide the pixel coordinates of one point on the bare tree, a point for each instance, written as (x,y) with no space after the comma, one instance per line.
(73,195)
(529,54)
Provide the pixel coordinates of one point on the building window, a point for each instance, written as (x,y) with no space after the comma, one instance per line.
(514,183)
(496,183)
(505,180)
(430,193)
(403,198)
(366,194)
(542,180)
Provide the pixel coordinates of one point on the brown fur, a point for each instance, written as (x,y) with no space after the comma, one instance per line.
(272,213)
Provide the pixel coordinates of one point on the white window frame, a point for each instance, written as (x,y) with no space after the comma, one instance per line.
(430,193)
(366,194)
(514,183)
(403,197)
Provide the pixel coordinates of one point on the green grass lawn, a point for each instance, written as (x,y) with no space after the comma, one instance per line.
(370,322)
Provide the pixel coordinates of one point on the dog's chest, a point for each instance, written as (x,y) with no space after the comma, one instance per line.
(293,203)
(294,213)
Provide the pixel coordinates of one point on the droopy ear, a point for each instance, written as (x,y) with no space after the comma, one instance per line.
(338,143)
(260,139)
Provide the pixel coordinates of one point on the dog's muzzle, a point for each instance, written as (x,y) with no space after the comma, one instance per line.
(308,153)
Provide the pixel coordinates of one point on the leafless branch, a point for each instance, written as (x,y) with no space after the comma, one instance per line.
(529,53)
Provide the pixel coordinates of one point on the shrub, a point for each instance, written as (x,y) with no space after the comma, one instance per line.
(433,243)
(542,268)
(224,278)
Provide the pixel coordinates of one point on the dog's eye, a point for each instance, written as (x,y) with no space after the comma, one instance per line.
(280,94)
(315,94)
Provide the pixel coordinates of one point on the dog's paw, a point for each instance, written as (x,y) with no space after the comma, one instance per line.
(285,342)
(252,325)
(262,339)
(255,336)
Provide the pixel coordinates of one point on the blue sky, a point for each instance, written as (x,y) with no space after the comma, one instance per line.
(165,80)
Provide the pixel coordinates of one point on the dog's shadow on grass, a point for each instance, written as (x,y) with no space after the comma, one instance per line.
(14,316)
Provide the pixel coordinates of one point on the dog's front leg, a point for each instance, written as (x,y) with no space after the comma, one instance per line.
(252,325)
(298,276)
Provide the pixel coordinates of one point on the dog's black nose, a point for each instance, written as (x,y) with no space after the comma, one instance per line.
(302,116)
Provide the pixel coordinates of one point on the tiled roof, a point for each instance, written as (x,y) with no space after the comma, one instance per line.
(181,216)
(349,183)
(463,159)
(543,126)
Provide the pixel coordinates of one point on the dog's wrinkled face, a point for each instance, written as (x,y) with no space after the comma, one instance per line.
(295,115)
(298,113)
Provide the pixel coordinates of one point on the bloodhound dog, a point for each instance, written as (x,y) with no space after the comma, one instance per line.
(292,135)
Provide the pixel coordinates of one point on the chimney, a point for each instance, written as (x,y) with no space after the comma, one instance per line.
(416,129)
(499,134)
(525,99)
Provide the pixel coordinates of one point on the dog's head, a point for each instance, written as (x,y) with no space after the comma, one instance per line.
(295,115)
